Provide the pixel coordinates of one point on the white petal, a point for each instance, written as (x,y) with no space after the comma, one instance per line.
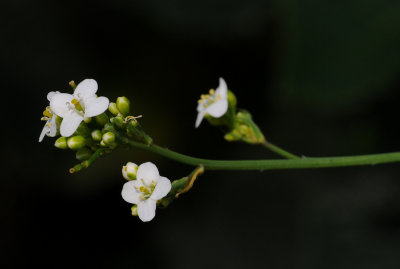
(148,172)
(218,109)
(147,210)
(53,127)
(51,94)
(200,107)
(199,118)
(130,194)
(59,103)
(222,89)
(162,189)
(87,88)
(44,131)
(95,106)
(70,123)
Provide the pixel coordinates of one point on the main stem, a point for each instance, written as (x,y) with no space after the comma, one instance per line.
(299,163)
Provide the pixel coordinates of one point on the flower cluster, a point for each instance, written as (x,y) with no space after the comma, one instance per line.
(94,126)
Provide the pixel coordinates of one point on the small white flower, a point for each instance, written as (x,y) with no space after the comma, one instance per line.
(81,105)
(215,103)
(50,128)
(146,190)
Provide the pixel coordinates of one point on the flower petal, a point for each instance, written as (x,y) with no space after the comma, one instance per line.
(148,172)
(44,131)
(129,193)
(218,109)
(53,127)
(70,123)
(87,88)
(146,210)
(199,118)
(162,189)
(95,106)
(59,103)
(222,89)
(51,94)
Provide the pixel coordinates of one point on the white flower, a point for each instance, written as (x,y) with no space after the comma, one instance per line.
(50,128)
(81,105)
(146,190)
(215,103)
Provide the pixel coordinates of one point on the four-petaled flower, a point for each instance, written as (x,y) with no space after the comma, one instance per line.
(81,105)
(215,103)
(50,128)
(146,190)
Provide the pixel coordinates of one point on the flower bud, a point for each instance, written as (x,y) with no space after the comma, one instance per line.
(96,135)
(83,130)
(134,210)
(118,122)
(83,154)
(232,101)
(101,119)
(108,138)
(61,143)
(76,142)
(113,108)
(123,105)
(87,120)
(129,171)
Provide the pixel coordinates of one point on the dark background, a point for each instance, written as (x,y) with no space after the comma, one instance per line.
(321,78)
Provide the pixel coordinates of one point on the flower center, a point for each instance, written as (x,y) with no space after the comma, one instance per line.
(208,99)
(146,190)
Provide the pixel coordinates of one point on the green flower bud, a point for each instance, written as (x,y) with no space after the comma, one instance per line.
(123,105)
(118,122)
(82,130)
(97,135)
(129,171)
(76,142)
(233,136)
(113,108)
(101,119)
(61,143)
(108,138)
(232,101)
(103,144)
(87,120)
(134,210)
(83,154)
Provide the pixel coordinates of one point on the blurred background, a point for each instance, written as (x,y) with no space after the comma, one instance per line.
(321,78)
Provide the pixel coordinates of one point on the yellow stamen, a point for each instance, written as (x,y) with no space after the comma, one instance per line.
(47,113)
(77,104)
(142,189)
(48,124)
(212,92)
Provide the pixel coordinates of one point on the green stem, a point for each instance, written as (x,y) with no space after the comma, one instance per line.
(278,150)
(299,163)
(85,164)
